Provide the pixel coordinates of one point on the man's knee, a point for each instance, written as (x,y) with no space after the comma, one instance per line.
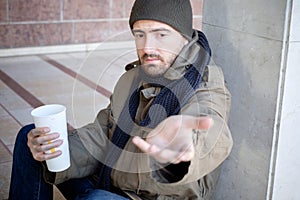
(22,135)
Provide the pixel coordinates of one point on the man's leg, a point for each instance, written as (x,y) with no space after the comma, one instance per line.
(85,188)
(27,180)
(99,194)
(73,187)
(27,174)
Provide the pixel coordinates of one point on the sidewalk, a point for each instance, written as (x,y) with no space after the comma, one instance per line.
(82,82)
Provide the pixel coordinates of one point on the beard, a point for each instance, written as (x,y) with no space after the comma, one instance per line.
(155,70)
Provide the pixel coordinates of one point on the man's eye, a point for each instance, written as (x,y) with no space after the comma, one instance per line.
(162,35)
(138,35)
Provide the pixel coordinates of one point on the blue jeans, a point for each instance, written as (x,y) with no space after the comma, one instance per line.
(27,180)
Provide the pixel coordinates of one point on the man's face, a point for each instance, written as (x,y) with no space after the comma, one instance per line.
(157,44)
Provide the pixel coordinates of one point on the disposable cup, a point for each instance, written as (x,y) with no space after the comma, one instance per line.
(54,117)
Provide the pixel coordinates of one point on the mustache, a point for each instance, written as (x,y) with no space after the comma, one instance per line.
(145,56)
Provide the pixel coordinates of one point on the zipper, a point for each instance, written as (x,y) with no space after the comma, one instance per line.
(139,177)
(138,165)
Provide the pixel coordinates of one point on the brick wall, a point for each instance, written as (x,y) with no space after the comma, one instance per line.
(28,23)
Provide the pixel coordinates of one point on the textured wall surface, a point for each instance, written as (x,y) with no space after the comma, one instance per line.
(246,38)
(286,179)
(58,22)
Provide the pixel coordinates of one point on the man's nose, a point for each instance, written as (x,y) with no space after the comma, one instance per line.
(149,45)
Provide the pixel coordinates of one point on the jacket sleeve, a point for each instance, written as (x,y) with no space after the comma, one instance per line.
(88,145)
(87,149)
(212,147)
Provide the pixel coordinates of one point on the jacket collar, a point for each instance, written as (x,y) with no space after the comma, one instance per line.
(188,56)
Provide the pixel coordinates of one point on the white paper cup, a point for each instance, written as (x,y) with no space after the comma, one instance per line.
(54,117)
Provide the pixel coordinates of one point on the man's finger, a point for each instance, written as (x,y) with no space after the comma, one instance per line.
(40,131)
(46,138)
(141,144)
(41,156)
(203,123)
(49,146)
(186,155)
(190,122)
(161,155)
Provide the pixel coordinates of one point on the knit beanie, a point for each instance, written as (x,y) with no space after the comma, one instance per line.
(175,13)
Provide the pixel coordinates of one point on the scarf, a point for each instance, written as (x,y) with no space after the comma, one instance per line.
(174,94)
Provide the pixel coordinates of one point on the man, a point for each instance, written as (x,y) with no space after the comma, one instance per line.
(164,134)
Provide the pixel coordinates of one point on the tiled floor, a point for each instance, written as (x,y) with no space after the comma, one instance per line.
(80,81)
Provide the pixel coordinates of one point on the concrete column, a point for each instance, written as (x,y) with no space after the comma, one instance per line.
(284,178)
(247,39)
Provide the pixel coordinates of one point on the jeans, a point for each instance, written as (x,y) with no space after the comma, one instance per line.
(27,180)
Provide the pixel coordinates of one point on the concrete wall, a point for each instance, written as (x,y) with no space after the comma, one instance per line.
(247,39)
(287,150)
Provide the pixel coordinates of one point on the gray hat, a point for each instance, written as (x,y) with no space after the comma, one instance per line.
(176,13)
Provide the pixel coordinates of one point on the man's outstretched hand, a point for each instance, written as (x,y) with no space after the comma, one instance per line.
(172,140)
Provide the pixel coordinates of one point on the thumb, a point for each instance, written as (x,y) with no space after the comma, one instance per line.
(202,122)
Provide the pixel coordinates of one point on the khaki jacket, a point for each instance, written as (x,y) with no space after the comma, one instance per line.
(132,173)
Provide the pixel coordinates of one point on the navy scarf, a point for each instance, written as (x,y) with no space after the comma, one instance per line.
(172,97)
